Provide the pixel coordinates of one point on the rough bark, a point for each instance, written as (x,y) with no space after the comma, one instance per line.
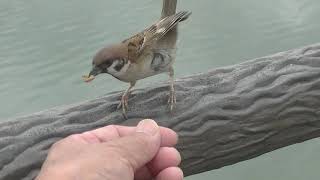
(224,116)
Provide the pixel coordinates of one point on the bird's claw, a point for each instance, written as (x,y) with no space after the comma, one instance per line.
(124,104)
(172,100)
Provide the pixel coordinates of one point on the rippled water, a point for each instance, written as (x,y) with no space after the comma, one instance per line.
(45,47)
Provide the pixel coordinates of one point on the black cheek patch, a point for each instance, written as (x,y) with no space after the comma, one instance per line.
(119,66)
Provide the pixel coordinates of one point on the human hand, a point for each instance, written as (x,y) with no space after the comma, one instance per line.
(114,152)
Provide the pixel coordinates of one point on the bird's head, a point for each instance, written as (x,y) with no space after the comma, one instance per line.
(109,60)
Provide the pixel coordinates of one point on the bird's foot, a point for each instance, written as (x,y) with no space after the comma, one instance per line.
(172,100)
(124,104)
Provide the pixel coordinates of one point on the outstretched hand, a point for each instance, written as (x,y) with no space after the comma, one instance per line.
(144,152)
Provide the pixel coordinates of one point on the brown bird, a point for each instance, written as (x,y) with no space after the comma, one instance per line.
(145,54)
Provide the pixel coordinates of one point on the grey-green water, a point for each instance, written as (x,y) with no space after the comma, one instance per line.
(45,47)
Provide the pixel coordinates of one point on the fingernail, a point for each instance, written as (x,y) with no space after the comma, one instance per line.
(148,126)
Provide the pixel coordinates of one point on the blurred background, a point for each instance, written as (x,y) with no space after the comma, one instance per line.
(46,46)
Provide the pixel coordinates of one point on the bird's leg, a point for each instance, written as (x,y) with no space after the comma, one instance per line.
(124,99)
(172,97)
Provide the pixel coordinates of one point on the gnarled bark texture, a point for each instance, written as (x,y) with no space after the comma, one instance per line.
(224,116)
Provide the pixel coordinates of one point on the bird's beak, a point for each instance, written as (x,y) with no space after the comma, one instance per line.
(95,71)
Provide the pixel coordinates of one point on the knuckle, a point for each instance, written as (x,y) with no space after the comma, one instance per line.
(113,128)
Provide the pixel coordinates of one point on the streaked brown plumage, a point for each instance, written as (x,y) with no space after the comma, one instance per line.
(145,54)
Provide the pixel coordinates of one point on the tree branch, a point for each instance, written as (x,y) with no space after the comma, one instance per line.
(223,117)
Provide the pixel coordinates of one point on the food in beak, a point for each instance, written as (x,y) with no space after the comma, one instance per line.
(87,78)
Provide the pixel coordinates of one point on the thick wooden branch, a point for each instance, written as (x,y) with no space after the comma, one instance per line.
(224,116)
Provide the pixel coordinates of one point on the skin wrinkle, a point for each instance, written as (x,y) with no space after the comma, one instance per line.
(111,129)
(90,137)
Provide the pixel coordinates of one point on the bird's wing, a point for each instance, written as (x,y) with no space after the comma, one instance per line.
(147,38)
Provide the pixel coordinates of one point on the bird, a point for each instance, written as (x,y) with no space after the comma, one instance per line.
(147,53)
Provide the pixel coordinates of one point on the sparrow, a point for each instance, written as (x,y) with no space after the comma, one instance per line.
(148,53)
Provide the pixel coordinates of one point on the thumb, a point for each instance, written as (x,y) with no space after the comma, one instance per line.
(139,148)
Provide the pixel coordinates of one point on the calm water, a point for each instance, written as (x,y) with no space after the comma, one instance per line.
(46,46)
